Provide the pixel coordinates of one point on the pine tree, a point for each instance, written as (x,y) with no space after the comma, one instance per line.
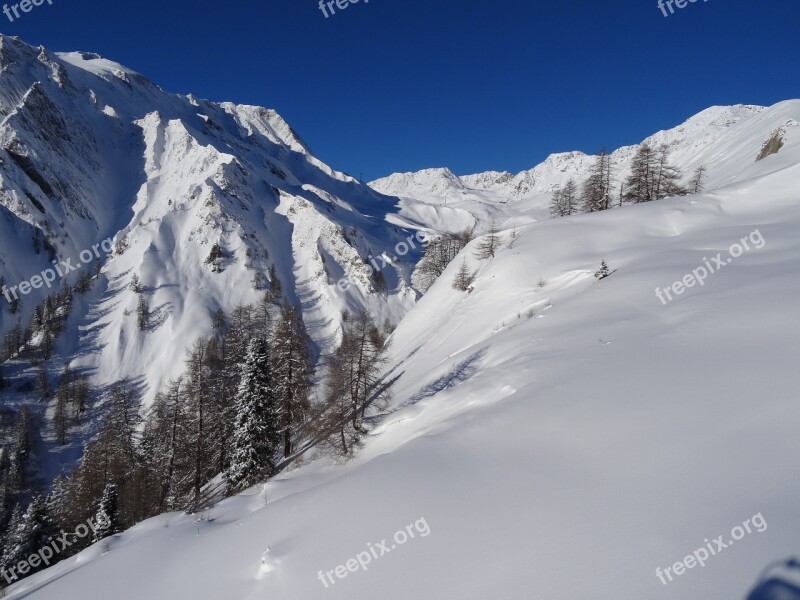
(107,517)
(21,460)
(489,243)
(57,499)
(603,271)
(12,540)
(464,278)
(276,290)
(33,532)
(142,314)
(7,494)
(256,431)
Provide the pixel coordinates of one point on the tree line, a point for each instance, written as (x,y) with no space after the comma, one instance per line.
(652,177)
(250,400)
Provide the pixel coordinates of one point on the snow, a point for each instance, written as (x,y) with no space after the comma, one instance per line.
(561,440)
(565,455)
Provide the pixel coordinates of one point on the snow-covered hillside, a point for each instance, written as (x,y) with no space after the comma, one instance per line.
(558,436)
(92,150)
(550,434)
(704,139)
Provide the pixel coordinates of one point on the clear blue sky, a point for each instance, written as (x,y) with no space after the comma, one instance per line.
(399,85)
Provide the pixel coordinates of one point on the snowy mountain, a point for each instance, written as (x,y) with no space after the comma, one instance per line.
(92,150)
(526,196)
(550,435)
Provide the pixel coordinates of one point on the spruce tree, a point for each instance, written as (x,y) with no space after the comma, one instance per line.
(256,430)
(12,540)
(57,499)
(35,530)
(603,271)
(107,521)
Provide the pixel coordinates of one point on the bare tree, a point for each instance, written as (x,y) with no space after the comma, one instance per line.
(489,243)
(696,184)
(596,195)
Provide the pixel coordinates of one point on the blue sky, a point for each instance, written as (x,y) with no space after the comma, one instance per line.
(393,85)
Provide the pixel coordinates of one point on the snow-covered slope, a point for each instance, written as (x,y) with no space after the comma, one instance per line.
(91,150)
(560,436)
(526,196)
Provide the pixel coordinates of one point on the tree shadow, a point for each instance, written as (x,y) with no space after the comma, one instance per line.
(459,374)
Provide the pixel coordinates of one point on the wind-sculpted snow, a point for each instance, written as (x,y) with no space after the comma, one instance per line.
(563,436)
(91,150)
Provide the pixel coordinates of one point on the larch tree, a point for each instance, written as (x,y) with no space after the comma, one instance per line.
(291,372)
(596,193)
(489,244)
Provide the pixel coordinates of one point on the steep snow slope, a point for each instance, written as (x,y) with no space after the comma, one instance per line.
(560,441)
(91,150)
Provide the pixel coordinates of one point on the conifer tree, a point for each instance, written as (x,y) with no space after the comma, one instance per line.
(696,185)
(199,422)
(142,313)
(464,278)
(354,383)
(603,271)
(107,517)
(652,176)
(291,372)
(57,499)
(12,540)
(34,531)
(596,194)
(439,253)
(256,431)
(489,244)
